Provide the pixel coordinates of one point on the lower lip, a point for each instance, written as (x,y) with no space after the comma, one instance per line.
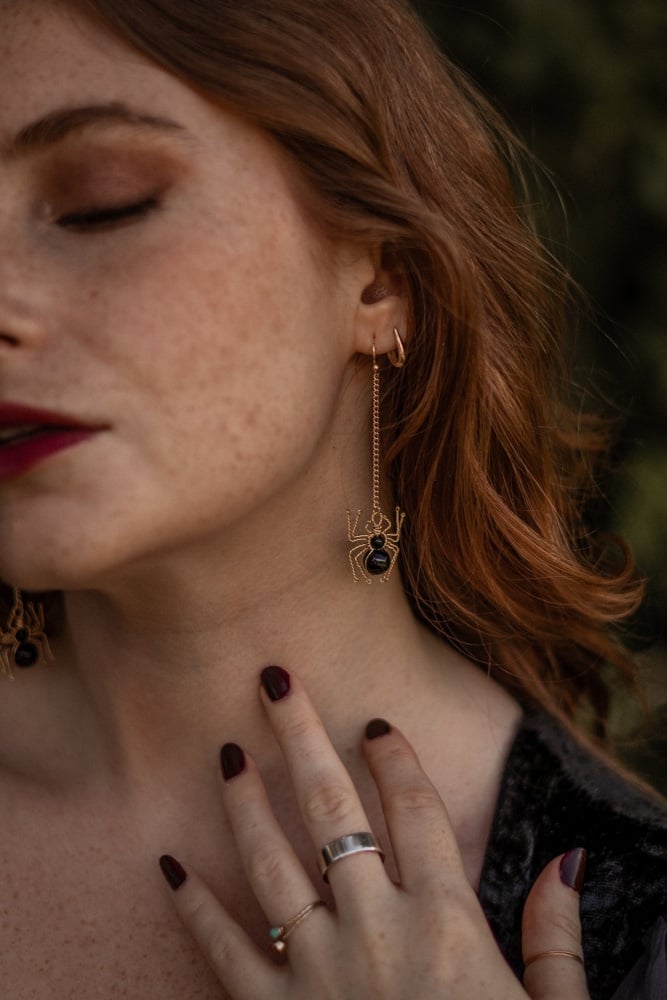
(18,458)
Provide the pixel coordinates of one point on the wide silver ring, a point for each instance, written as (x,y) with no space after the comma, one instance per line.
(343,847)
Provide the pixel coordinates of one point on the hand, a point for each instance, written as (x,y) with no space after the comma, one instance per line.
(424,938)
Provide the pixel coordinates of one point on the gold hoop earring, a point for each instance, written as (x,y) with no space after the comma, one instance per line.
(23,640)
(397,357)
(374,552)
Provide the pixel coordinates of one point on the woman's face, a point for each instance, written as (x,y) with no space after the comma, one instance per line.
(159,280)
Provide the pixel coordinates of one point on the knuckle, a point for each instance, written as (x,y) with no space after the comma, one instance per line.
(266,864)
(416,799)
(202,920)
(565,925)
(297,729)
(220,952)
(398,754)
(328,803)
(302,730)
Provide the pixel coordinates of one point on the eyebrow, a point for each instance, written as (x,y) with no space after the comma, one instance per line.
(57,125)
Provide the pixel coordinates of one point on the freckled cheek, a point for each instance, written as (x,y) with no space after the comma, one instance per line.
(215,342)
(197,298)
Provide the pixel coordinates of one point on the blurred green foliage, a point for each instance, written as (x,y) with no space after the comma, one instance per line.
(583,84)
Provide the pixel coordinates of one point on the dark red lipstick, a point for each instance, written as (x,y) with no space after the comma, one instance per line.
(29,435)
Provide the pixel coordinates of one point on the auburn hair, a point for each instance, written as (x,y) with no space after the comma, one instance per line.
(484,450)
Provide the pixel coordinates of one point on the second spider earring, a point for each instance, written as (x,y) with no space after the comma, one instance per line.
(375,549)
(23,640)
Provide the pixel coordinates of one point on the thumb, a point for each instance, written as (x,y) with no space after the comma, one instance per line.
(551,924)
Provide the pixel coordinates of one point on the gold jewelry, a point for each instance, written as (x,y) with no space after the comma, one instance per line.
(344,847)
(397,357)
(280,934)
(23,639)
(555,953)
(375,551)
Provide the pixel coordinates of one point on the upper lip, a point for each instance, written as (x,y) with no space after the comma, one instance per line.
(17,415)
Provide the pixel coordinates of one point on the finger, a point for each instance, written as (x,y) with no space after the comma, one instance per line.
(241,968)
(551,923)
(327,798)
(422,837)
(274,872)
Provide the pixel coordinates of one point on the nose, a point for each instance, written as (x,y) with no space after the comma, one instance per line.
(23,293)
(19,325)
(23,297)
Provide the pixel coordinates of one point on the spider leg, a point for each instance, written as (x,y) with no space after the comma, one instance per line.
(357,555)
(45,649)
(394,536)
(5,663)
(393,552)
(353,556)
(352,531)
(359,559)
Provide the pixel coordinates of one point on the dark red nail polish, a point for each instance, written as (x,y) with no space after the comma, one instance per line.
(275,682)
(232,759)
(172,871)
(377,727)
(572,868)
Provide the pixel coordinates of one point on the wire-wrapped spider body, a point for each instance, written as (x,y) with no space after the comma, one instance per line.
(375,551)
(23,640)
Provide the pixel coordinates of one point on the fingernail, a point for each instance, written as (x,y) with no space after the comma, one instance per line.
(377,727)
(275,682)
(232,759)
(172,871)
(572,868)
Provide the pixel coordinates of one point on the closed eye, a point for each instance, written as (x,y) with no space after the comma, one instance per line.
(100,218)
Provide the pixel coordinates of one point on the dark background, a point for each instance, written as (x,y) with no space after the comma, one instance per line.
(583,84)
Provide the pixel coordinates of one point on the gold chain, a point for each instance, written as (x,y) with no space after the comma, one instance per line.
(376,433)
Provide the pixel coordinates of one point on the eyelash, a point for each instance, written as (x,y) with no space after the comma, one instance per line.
(100,218)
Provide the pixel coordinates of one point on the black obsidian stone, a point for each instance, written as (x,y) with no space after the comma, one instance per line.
(377,562)
(26,655)
(378,542)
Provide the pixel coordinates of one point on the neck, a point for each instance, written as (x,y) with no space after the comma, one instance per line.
(154,675)
(169,671)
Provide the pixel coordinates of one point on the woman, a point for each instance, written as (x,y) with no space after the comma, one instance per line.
(220,224)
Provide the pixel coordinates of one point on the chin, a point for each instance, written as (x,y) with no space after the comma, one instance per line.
(45,564)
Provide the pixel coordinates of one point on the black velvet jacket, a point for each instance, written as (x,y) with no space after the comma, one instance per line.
(556,796)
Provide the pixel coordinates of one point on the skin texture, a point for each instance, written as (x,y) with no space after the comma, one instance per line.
(201,534)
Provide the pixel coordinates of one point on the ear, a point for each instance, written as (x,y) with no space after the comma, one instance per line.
(382,308)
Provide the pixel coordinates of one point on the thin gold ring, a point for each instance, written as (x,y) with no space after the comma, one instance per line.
(280,934)
(555,953)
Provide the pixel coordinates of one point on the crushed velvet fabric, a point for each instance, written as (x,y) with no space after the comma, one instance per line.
(648,979)
(554,796)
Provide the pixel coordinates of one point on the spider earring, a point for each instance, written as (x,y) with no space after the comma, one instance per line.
(375,550)
(23,639)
